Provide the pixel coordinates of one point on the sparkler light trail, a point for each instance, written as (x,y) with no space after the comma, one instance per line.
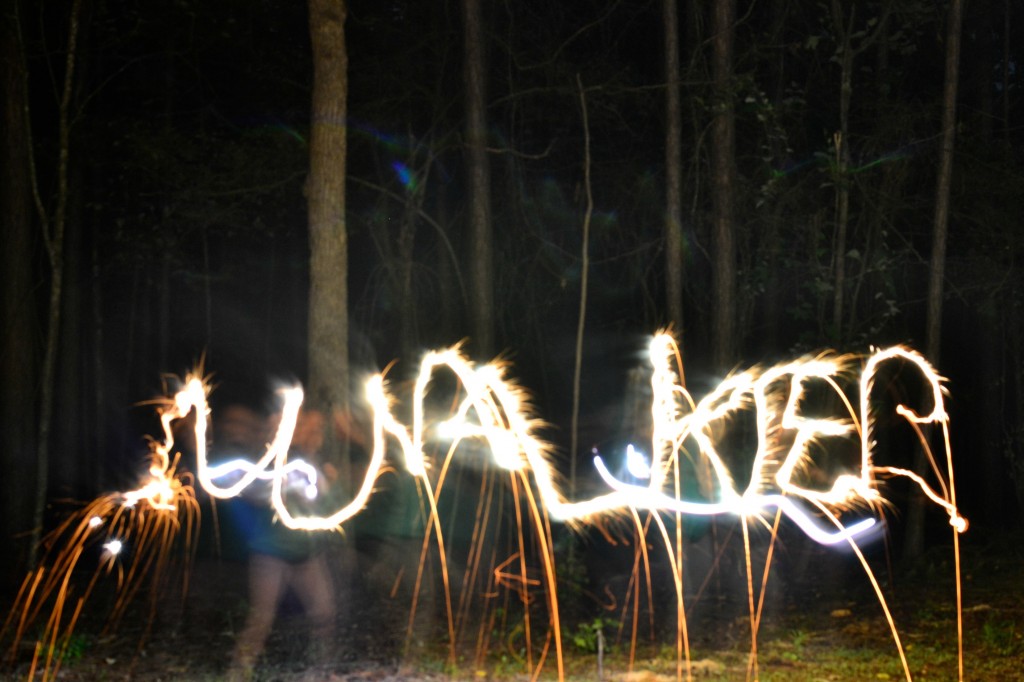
(786,384)
(493,411)
(785,402)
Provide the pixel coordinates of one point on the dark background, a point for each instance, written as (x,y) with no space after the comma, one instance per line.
(186,233)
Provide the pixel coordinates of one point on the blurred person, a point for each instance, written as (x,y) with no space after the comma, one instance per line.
(239,431)
(283,560)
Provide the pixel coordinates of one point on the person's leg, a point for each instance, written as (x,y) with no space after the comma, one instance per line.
(312,582)
(267,578)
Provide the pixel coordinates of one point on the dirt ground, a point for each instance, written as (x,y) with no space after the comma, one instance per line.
(813,631)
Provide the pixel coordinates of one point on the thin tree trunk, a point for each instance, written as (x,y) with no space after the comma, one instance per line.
(914,543)
(99,396)
(584,280)
(445,324)
(71,459)
(673,170)
(406,295)
(411,211)
(842,147)
(481,259)
(723,171)
(844,29)
(53,237)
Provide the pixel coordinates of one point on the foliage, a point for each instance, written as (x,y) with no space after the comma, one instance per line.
(589,637)
(74,648)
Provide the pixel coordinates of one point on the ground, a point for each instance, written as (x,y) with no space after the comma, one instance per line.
(826,634)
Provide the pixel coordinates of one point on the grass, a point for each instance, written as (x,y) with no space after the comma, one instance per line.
(798,651)
(805,642)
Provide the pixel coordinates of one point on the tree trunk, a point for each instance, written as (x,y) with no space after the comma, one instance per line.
(673,170)
(53,237)
(406,293)
(420,159)
(844,30)
(328,380)
(481,259)
(581,323)
(723,171)
(842,172)
(842,149)
(18,342)
(99,394)
(914,541)
(71,460)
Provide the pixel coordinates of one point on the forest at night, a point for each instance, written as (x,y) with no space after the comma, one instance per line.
(657,252)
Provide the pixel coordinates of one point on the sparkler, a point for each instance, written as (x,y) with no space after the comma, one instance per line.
(492,410)
(136,532)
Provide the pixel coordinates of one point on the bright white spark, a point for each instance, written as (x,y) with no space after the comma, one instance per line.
(636,463)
